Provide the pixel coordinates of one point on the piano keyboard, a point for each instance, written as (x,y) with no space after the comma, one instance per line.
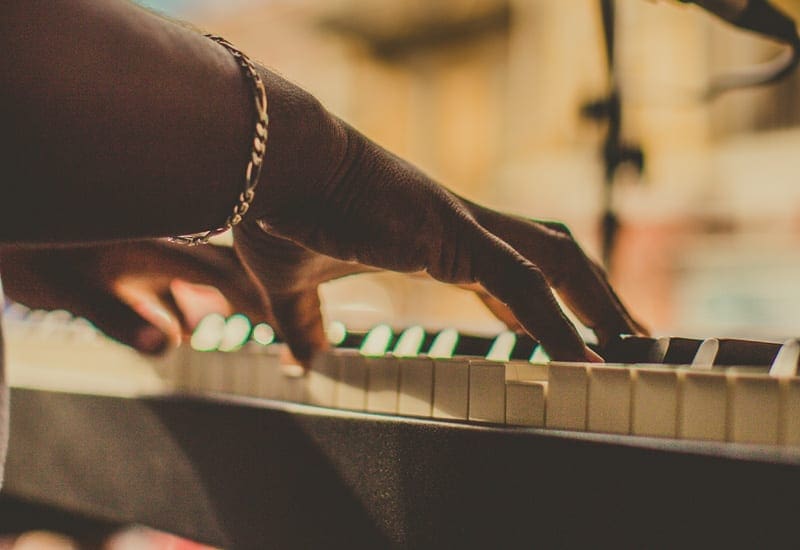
(716,389)
(169,446)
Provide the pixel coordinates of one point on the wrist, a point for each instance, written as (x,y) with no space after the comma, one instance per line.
(306,146)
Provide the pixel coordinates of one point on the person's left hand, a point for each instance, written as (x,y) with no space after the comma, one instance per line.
(146,294)
(331,203)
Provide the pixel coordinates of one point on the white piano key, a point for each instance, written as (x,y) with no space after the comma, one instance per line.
(785,363)
(383,380)
(409,342)
(294,383)
(525,402)
(207,334)
(351,392)
(241,367)
(52,325)
(706,354)
(335,332)
(376,342)
(609,400)
(235,333)
(213,373)
(703,405)
(256,370)
(451,389)
(169,366)
(14,311)
(567,392)
(754,407)
(539,356)
(654,410)
(659,351)
(416,386)
(444,344)
(263,334)
(487,392)
(323,379)
(267,372)
(502,346)
(195,372)
(524,371)
(789,427)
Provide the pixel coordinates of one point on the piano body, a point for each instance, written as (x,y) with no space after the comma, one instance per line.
(232,449)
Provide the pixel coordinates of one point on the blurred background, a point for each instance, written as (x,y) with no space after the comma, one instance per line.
(490,97)
(502,101)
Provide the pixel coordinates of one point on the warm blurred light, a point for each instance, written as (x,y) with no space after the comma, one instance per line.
(235,333)
(208,333)
(263,334)
(336,332)
(292,370)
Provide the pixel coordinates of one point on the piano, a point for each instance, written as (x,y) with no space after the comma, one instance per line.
(413,440)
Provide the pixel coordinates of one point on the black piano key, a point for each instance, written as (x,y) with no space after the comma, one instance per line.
(626,350)
(681,351)
(734,352)
(473,345)
(352,340)
(633,349)
(427,341)
(524,347)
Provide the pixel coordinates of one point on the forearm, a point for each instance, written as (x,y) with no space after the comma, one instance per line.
(118,123)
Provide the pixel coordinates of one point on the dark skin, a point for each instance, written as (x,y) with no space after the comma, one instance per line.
(127,126)
(146,294)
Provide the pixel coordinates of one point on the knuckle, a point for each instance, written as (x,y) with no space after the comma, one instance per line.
(460,250)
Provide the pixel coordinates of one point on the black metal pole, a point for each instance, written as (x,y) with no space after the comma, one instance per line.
(614,151)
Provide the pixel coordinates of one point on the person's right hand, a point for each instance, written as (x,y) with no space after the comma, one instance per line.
(331,202)
(146,294)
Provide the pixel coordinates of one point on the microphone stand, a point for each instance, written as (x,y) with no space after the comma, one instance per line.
(614,151)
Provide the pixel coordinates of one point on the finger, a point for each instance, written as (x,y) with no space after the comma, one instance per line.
(161,311)
(522,287)
(41,281)
(638,327)
(580,283)
(585,290)
(195,302)
(117,320)
(288,276)
(217,267)
(275,265)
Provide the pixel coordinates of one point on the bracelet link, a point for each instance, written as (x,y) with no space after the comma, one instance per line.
(253,170)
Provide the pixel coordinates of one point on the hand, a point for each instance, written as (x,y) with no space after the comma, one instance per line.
(332,203)
(147,294)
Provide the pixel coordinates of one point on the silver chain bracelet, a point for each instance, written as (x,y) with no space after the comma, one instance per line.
(253,170)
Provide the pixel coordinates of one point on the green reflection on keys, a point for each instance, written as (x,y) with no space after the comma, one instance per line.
(377,341)
(444,344)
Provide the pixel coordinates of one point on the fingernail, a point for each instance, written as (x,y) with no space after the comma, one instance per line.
(592,357)
(151,340)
